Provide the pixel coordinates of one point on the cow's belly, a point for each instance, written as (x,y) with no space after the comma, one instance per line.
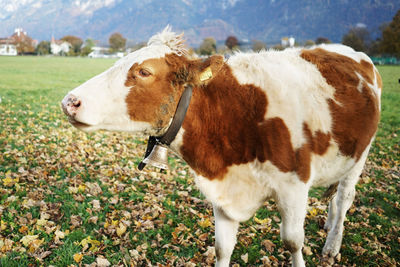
(330,168)
(240,193)
(245,187)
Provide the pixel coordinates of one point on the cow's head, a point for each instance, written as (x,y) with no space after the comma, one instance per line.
(142,90)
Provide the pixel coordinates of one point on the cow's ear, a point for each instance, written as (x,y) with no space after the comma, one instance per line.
(205,70)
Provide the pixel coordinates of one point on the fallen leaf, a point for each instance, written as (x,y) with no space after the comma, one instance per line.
(93,219)
(102,262)
(23,229)
(205,223)
(78,257)
(263,221)
(269,245)
(307,250)
(121,229)
(245,257)
(26,240)
(96,204)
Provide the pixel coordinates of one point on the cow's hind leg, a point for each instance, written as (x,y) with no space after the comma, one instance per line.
(331,214)
(225,237)
(292,206)
(337,211)
(344,199)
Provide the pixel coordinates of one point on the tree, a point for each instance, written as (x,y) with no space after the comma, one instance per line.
(323,40)
(76,44)
(24,43)
(390,43)
(259,45)
(43,48)
(358,38)
(309,43)
(231,42)
(87,47)
(117,42)
(208,46)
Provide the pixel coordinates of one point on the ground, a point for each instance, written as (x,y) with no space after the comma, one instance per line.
(71,198)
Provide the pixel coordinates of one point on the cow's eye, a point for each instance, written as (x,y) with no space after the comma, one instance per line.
(144,73)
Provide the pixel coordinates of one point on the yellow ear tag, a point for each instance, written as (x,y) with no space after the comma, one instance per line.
(206,74)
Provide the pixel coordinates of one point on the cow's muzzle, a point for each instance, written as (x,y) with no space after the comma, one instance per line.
(70,106)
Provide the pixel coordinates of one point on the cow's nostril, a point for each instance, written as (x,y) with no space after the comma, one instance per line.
(76,103)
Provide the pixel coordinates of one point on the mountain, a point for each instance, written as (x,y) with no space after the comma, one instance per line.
(137,20)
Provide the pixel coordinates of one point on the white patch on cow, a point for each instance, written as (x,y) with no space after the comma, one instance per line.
(345,51)
(330,167)
(177,142)
(172,40)
(360,83)
(375,87)
(294,87)
(240,193)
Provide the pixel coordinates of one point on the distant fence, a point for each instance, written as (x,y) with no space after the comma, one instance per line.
(385,60)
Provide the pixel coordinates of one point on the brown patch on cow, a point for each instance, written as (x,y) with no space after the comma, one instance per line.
(151,99)
(218,252)
(154,98)
(219,131)
(290,245)
(319,141)
(355,114)
(225,126)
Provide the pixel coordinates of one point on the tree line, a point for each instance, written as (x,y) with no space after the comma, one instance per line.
(360,39)
(79,47)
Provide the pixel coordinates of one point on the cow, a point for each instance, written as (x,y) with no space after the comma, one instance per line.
(256,126)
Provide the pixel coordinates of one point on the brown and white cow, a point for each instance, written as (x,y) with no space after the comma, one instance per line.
(259,125)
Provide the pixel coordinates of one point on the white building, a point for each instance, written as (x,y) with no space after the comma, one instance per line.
(59,47)
(103,52)
(8,50)
(288,41)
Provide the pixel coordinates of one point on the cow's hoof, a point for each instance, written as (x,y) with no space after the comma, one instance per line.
(331,250)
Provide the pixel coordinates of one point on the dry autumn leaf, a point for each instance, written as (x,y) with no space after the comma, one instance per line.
(78,257)
(121,229)
(26,240)
(204,223)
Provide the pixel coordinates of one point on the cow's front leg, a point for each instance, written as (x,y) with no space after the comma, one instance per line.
(292,206)
(225,236)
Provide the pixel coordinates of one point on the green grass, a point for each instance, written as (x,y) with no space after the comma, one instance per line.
(52,176)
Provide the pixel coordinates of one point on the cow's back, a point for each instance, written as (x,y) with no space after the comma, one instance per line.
(327,97)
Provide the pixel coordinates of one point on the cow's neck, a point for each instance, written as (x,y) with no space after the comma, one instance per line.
(220,128)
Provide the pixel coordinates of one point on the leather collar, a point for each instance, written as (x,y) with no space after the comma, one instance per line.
(176,124)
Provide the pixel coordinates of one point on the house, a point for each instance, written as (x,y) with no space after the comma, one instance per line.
(7,47)
(59,47)
(19,42)
(288,41)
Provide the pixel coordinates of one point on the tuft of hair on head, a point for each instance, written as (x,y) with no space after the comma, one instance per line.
(169,38)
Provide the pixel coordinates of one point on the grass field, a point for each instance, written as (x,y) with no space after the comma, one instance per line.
(71,198)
